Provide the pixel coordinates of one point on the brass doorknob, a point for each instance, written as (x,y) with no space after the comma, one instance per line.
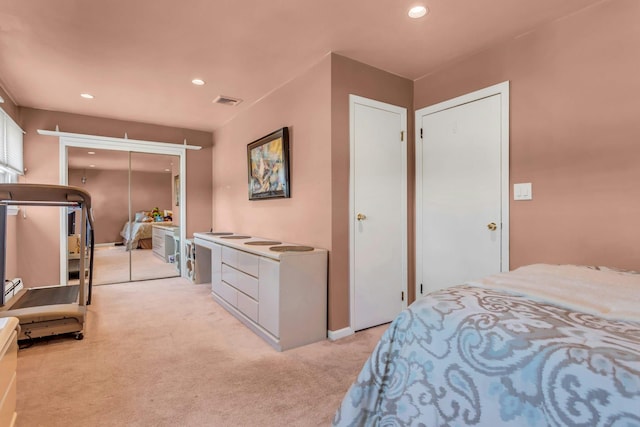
(360,217)
(492,226)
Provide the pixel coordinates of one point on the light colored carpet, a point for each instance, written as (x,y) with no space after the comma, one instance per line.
(163,353)
(112,265)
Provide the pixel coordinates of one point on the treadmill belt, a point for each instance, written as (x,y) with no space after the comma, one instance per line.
(48,296)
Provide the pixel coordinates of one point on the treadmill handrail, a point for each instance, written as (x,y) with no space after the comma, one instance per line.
(46,195)
(30,203)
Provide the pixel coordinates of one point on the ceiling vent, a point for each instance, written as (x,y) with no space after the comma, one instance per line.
(227,100)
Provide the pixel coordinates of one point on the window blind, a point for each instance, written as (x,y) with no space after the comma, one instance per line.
(11,145)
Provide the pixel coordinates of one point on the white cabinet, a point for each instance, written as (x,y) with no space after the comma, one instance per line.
(281,296)
(157,241)
(163,242)
(214,264)
(8,365)
(240,260)
(269,289)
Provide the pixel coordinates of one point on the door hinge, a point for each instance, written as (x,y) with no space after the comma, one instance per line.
(402,296)
(401,135)
(420,133)
(421,291)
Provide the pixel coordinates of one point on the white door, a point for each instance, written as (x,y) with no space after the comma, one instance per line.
(462,190)
(378,214)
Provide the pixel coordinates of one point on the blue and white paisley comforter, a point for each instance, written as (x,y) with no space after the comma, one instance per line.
(477,356)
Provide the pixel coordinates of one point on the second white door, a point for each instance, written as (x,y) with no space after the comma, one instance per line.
(378,222)
(462,189)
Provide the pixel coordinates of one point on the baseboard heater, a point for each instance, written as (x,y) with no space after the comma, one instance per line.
(11,288)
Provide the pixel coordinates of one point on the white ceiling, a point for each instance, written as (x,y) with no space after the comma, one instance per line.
(137,57)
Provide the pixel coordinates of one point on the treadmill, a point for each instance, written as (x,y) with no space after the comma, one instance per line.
(50,310)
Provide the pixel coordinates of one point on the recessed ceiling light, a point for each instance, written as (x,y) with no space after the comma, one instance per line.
(417,12)
(91,152)
(92,166)
(86,95)
(197,82)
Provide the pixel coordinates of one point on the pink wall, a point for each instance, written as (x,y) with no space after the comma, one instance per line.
(38,252)
(109,190)
(303,105)
(199,190)
(315,106)
(352,77)
(574,133)
(150,189)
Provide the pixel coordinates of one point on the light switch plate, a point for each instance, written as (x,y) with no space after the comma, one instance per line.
(522,191)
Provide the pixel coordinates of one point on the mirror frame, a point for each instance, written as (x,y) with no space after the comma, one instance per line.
(120,144)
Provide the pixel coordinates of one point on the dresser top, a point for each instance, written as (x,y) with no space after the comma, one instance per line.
(252,245)
(7,326)
(165,225)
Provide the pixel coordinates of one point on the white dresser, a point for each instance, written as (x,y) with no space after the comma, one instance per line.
(281,296)
(8,365)
(163,242)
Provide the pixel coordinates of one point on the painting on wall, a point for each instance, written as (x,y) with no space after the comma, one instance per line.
(268,163)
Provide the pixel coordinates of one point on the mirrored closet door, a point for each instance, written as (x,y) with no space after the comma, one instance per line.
(133,202)
(153,200)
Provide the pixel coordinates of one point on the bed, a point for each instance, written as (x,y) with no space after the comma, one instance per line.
(542,345)
(138,234)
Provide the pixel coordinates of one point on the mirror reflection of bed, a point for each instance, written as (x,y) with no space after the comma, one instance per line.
(133,199)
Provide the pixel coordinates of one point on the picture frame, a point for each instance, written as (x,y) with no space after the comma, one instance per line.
(176,189)
(268,166)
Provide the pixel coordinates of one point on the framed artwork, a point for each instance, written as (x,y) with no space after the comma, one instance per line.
(176,189)
(268,164)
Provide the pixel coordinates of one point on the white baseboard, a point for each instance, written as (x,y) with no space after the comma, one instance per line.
(340,333)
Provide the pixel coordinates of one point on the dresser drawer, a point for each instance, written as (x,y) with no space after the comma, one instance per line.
(8,362)
(226,292)
(241,260)
(157,240)
(248,306)
(8,365)
(8,403)
(241,281)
